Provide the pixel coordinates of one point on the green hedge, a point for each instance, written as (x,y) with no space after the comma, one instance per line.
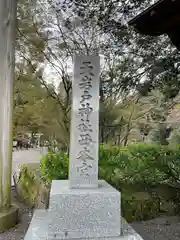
(144,164)
(134,170)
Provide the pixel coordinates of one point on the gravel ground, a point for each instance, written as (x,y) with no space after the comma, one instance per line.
(19,231)
(164,228)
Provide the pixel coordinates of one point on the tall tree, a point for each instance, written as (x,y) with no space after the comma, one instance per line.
(53,31)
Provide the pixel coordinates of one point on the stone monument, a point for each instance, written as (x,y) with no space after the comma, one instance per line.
(83,206)
(83,172)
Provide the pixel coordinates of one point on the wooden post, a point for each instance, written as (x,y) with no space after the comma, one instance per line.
(8,10)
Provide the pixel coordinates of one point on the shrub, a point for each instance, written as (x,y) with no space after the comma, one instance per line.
(54,166)
(30,188)
(132,165)
(137,164)
(139,206)
(130,169)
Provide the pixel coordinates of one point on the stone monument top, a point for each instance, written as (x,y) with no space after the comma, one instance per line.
(84,144)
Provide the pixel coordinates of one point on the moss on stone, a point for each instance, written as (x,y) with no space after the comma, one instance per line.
(8,218)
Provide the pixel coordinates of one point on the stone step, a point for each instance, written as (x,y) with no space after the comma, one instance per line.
(38,229)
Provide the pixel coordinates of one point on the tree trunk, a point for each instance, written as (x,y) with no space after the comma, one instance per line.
(8,10)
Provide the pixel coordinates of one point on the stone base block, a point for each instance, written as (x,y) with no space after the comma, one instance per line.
(9,218)
(83,213)
(38,230)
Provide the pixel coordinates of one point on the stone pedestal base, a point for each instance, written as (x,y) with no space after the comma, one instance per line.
(38,230)
(83,213)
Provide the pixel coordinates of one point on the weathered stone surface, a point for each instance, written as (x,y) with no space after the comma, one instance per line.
(8,218)
(83,213)
(83,172)
(38,230)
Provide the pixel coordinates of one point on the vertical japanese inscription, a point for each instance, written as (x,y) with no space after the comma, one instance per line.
(84,126)
(85,138)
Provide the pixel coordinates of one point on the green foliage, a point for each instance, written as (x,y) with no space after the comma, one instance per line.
(133,165)
(27,185)
(55,166)
(143,164)
(143,208)
(137,164)
(30,186)
(135,170)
